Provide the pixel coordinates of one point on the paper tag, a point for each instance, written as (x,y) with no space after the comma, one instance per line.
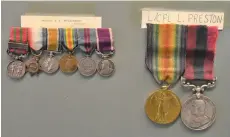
(182,17)
(61,21)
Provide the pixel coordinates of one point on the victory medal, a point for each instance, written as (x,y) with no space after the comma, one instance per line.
(164,59)
(68,63)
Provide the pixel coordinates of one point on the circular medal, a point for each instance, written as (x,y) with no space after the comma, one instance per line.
(68,64)
(106,67)
(87,66)
(16,69)
(49,64)
(198,113)
(163,106)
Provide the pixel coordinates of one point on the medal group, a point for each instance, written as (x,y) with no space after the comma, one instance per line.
(181,53)
(44,43)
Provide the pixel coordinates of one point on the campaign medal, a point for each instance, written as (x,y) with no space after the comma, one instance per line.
(68,63)
(199,112)
(37,37)
(164,59)
(49,64)
(87,41)
(18,49)
(105,49)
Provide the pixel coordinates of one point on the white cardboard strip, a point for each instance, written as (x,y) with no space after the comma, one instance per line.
(182,17)
(61,21)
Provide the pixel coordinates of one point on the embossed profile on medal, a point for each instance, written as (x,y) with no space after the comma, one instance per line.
(106,67)
(199,114)
(164,107)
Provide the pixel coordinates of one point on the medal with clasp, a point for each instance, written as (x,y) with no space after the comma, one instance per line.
(37,37)
(164,59)
(18,49)
(49,63)
(68,37)
(105,49)
(87,41)
(198,111)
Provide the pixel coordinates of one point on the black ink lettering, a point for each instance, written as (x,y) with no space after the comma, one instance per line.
(195,18)
(206,18)
(190,16)
(213,19)
(219,19)
(200,18)
(156,17)
(164,17)
(178,18)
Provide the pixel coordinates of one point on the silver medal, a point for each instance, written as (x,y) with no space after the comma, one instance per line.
(16,69)
(106,67)
(198,112)
(49,64)
(87,66)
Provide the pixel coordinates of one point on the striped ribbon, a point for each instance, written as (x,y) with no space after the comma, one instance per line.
(105,42)
(52,39)
(68,37)
(200,49)
(165,55)
(37,36)
(87,40)
(18,41)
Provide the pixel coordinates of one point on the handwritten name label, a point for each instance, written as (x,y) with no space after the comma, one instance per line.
(182,17)
(61,21)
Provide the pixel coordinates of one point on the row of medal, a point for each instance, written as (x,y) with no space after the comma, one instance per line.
(44,43)
(180,52)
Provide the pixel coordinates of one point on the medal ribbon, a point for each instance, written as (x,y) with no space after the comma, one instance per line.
(87,40)
(165,55)
(52,39)
(68,38)
(18,41)
(37,36)
(201,48)
(105,42)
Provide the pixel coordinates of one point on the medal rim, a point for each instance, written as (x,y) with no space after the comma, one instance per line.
(24,68)
(84,74)
(106,75)
(212,121)
(178,101)
(60,66)
(44,70)
(29,70)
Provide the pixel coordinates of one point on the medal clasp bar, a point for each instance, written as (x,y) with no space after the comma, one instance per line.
(20,50)
(198,88)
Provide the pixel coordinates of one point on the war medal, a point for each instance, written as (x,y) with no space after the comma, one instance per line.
(36,42)
(199,112)
(68,63)
(164,59)
(105,49)
(18,49)
(87,41)
(49,64)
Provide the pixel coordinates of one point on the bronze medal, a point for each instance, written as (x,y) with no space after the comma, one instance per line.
(68,63)
(163,106)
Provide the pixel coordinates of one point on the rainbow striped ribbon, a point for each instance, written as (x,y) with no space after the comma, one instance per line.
(165,55)
(68,38)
